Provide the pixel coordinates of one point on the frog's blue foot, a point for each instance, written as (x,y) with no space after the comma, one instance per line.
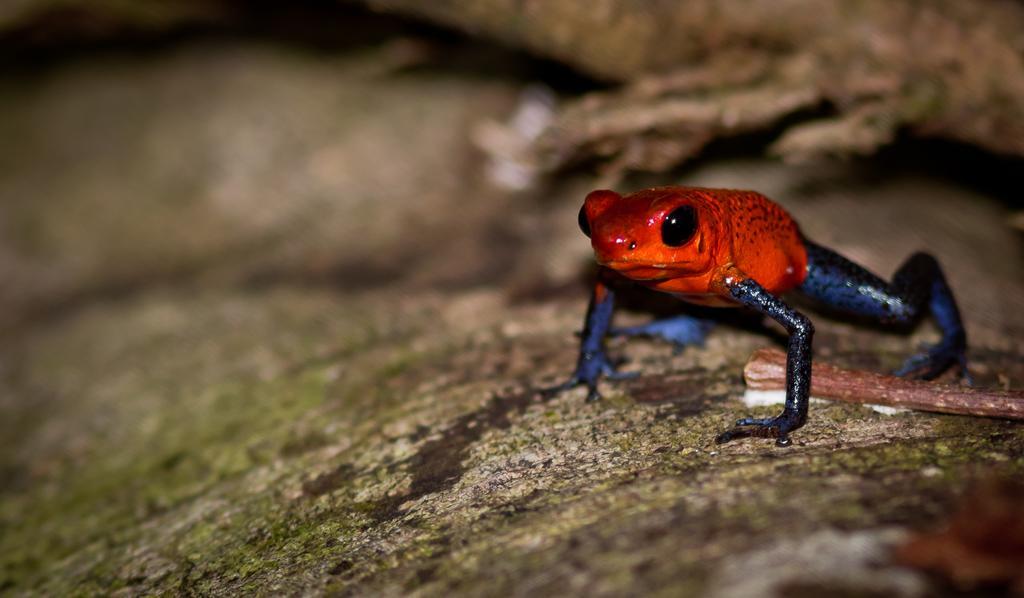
(681,331)
(950,352)
(777,427)
(589,369)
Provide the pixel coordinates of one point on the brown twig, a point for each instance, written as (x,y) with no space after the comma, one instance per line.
(766,370)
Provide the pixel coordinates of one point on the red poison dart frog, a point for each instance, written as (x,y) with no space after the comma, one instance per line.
(721,247)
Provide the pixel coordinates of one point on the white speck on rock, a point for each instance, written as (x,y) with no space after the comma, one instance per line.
(762,398)
(887,410)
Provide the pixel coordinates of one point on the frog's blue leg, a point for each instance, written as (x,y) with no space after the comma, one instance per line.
(798,365)
(917,284)
(593,361)
(679,330)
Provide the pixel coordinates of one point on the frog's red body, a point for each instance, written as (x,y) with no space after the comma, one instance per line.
(736,231)
(722,247)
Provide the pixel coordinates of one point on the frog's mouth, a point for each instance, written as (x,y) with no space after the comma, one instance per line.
(639,270)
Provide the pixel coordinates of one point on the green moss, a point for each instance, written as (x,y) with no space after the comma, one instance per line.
(182,458)
(224,444)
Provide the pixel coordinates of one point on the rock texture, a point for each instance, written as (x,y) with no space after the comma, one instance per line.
(267,328)
(834,78)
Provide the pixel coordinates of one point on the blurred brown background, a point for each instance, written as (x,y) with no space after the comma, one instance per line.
(279,282)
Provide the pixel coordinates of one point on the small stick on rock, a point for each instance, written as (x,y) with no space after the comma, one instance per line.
(766,370)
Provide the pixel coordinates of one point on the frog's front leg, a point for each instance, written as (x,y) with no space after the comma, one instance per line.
(593,361)
(917,284)
(798,364)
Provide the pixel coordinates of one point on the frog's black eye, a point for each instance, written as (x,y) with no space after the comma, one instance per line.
(679,226)
(584,225)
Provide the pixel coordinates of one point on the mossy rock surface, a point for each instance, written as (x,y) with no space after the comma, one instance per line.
(334,387)
(345,447)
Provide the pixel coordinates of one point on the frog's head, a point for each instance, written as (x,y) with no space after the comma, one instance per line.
(653,234)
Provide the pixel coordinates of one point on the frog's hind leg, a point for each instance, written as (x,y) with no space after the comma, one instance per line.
(681,331)
(918,284)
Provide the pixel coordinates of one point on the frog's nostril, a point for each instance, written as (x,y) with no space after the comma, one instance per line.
(632,245)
